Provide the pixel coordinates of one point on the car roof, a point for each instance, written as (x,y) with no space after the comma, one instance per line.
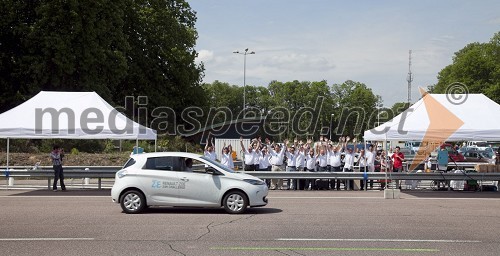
(162,154)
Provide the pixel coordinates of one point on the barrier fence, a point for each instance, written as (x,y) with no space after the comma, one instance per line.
(100,172)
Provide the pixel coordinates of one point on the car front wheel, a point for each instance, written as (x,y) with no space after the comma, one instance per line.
(132,202)
(235,202)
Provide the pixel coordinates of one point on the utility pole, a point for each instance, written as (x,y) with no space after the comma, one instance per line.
(409,78)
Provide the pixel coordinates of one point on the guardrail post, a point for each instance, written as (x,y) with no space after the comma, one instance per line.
(99,183)
(48,183)
(11,181)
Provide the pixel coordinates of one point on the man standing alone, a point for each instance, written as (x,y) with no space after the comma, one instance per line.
(57,156)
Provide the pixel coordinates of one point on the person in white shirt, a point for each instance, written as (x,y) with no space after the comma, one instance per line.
(348,164)
(301,161)
(250,155)
(276,160)
(264,164)
(291,166)
(210,151)
(370,160)
(226,158)
(362,163)
(334,156)
(310,167)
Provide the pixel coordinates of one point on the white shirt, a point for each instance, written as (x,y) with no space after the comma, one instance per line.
(256,159)
(277,158)
(348,160)
(362,161)
(370,158)
(264,161)
(291,159)
(322,160)
(249,157)
(227,160)
(211,155)
(310,162)
(301,157)
(334,157)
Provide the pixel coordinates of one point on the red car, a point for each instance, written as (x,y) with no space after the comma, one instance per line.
(453,153)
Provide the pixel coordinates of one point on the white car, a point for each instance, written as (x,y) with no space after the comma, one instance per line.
(186,180)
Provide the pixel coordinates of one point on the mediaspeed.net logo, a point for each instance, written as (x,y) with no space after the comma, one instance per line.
(442,122)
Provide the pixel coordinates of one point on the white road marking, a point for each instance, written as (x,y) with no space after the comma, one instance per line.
(381,198)
(379,240)
(47,239)
(14,196)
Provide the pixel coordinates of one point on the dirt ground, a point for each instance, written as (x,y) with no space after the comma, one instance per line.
(81,159)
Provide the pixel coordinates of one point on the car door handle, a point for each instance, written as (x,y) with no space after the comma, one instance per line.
(184,179)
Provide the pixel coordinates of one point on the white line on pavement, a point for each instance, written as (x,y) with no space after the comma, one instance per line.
(46,239)
(379,240)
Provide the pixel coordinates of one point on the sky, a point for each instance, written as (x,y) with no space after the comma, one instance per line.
(315,40)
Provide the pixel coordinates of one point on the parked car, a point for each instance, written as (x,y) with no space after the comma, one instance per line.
(454,154)
(479,156)
(184,180)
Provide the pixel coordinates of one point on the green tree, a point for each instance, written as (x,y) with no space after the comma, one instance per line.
(477,66)
(162,36)
(355,107)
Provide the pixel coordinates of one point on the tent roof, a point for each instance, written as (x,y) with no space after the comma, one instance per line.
(454,118)
(70,115)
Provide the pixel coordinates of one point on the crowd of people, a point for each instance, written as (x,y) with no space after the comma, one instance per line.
(322,155)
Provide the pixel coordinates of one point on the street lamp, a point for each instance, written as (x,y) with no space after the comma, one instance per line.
(245,53)
(331,125)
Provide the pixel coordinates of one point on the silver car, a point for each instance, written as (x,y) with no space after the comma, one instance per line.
(185,180)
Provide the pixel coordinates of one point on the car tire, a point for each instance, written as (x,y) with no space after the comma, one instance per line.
(132,202)
(235,202)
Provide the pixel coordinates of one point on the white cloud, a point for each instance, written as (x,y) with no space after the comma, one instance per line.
(205,56)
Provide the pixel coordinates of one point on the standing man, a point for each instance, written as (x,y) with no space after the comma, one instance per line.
(348,164)
(291,166)
(397,159)
(335,160)
(370,161)
(276,160)
(57,156)
(249,156)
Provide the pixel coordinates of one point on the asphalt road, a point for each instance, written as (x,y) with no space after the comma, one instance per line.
(86,222)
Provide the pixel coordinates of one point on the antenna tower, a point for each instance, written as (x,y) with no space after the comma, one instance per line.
(409,79)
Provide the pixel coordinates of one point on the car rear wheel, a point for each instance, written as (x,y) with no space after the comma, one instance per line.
(132,202)
(235,202)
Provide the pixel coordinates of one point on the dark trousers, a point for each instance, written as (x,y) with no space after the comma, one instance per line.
(310,181)
(268,181)
(58,175)
(349,184)
(333,181)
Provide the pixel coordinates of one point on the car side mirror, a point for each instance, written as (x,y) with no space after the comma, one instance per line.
(212,171)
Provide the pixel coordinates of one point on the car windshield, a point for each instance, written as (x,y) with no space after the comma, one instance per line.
(225,168)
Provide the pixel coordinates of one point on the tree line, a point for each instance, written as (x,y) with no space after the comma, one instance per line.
(146,48)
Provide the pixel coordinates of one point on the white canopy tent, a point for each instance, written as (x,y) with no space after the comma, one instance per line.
(69,115)
(454,118)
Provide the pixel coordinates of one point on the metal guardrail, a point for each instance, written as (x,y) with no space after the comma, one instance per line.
(378,175)
(101,172)
(47,172)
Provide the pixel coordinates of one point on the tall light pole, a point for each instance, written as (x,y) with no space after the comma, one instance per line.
(331,125)
(245,53)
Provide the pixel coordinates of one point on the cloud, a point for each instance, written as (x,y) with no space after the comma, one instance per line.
(205,56)
(494,21)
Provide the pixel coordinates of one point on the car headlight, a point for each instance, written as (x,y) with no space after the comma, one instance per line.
(254,182)
(121,174)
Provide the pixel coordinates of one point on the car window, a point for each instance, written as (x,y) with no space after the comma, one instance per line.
(166,163)
(193,165)
(129,162)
